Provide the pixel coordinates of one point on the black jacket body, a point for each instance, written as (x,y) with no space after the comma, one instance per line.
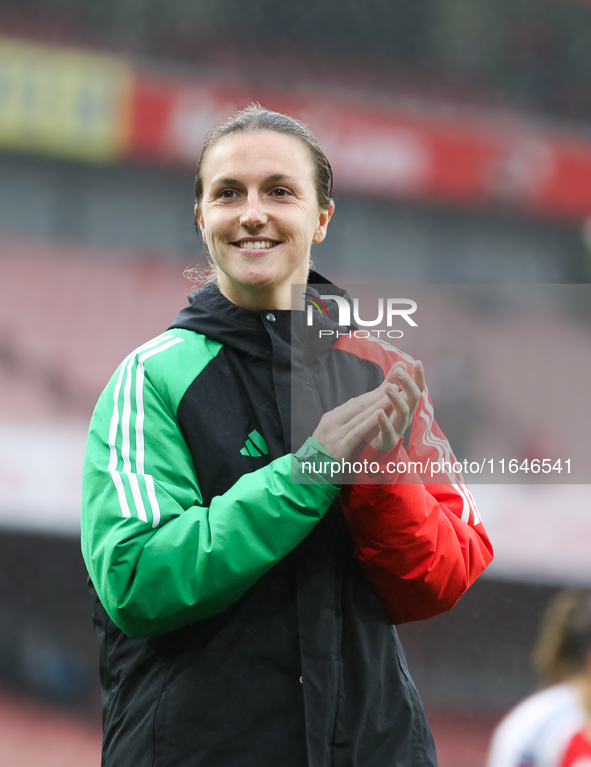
(305,669)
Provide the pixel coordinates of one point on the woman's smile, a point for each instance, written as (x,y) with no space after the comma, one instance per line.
(260,246)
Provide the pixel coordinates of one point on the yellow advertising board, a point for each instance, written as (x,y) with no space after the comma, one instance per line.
(63,101)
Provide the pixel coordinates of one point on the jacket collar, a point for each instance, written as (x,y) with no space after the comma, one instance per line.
(211,314)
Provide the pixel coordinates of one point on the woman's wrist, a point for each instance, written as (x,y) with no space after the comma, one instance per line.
(315,464)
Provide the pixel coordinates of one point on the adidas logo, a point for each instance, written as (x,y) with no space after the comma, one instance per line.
(255,445)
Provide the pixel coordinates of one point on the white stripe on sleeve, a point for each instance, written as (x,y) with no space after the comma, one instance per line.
(442,446)
(113,429)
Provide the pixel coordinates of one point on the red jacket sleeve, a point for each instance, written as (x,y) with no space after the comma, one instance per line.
(421,545)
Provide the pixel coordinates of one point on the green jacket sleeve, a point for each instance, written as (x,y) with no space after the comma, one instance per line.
(157,557)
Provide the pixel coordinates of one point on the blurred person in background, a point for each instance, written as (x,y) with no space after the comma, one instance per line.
(245,618)
(551,727)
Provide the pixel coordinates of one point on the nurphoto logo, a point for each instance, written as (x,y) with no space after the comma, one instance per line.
(394,307)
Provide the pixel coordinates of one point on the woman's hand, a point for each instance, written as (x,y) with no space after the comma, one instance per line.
(380,417)
(404,393)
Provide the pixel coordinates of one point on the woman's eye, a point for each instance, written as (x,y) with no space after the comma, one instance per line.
(280,192)
(227,194)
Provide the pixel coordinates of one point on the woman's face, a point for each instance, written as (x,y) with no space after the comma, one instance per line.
(259,215)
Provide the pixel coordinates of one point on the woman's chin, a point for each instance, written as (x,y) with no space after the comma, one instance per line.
(257,277)
(264,279)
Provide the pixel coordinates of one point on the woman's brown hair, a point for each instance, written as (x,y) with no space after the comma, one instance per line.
(565,637)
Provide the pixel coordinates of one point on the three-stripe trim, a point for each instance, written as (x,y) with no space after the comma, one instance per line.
(446,456)
(134,470)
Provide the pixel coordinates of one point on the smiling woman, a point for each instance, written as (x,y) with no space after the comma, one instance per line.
(270,195)
(258,215)
(245,616)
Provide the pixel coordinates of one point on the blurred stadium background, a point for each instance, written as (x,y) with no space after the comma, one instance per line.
(460,135)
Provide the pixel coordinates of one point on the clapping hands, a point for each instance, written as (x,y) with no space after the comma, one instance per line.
(379,417)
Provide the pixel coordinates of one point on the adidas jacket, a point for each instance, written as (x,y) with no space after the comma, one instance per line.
(244,618)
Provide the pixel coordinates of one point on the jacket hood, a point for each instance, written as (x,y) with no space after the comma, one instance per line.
(211,314)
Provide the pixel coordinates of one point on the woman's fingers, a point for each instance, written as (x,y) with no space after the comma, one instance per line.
(392,426)
(341,430)
(404,393)
(391,374)
(412,385)
(412,392)
(379,403)
(354,409)
(362,422)
(355,435)
(401,410)
(418,373)
(388,437)
(381,416)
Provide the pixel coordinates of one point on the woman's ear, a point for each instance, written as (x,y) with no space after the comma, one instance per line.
(199,222)
(323,219)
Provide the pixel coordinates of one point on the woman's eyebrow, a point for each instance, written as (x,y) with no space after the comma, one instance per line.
(274,178)
(281,177)
(225,181)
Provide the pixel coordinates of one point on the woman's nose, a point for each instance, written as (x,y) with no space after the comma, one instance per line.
(253,213)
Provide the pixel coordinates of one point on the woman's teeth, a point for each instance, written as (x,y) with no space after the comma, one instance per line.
(260,244)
